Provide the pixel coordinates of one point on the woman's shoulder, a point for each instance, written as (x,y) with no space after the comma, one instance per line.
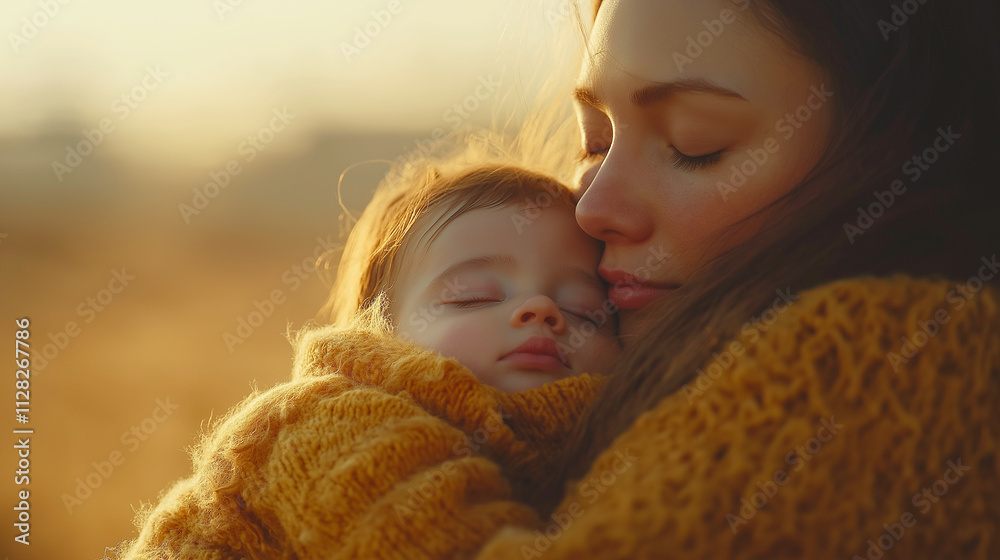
(895,299)
(824,421)
(862,332)
(901,318)
(899,295)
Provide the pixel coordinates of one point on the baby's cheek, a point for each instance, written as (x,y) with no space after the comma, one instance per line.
(458,341)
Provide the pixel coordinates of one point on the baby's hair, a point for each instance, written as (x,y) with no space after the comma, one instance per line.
(400,210)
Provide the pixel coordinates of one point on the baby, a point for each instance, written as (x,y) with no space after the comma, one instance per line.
(487,266)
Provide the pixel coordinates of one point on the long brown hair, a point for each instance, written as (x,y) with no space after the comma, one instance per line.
(895,93)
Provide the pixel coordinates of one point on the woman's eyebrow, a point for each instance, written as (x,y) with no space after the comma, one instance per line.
(653,93)
(585,96)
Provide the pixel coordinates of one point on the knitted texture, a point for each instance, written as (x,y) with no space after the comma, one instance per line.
(836,429)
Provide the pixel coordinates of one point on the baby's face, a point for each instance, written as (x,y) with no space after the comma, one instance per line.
(518,302)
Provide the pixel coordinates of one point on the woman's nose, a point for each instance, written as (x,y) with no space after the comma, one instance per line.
(539,310)
(611,203)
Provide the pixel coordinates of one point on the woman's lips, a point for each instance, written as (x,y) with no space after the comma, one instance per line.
(630,292)
(538,353)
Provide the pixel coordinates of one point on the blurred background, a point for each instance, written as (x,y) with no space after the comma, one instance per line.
(168,175)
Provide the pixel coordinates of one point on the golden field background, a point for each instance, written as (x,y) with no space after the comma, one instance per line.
(160,340)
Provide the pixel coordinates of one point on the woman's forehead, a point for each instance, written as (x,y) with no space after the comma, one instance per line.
(640,42)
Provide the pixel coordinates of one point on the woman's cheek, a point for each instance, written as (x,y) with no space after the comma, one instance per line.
(693,211)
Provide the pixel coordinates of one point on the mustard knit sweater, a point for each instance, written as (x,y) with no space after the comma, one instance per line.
(852,428)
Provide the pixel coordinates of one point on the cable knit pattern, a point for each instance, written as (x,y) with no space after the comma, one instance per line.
(841,429)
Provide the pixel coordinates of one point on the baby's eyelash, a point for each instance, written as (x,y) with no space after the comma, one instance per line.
(580,315)
(470,302)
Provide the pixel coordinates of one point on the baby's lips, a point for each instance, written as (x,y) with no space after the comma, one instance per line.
(542,346)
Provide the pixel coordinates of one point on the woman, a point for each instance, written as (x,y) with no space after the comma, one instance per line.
(750,168)
(852,149)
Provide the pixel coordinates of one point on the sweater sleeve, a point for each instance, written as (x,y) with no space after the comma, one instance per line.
(375,449)
(856,422)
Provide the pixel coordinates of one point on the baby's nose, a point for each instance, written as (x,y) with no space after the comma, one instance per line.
(537,310)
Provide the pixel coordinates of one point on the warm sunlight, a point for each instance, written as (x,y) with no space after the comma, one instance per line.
(219,67)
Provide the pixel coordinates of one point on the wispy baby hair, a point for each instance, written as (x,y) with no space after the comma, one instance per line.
(417,202)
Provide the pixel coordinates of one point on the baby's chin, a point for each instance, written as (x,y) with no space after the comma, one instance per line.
(516,381)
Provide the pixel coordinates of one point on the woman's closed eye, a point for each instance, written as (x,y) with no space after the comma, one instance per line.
(597,135)
(685,162)
(588,155)
(680,160)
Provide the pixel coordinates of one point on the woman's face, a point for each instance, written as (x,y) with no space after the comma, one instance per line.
(693,117)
